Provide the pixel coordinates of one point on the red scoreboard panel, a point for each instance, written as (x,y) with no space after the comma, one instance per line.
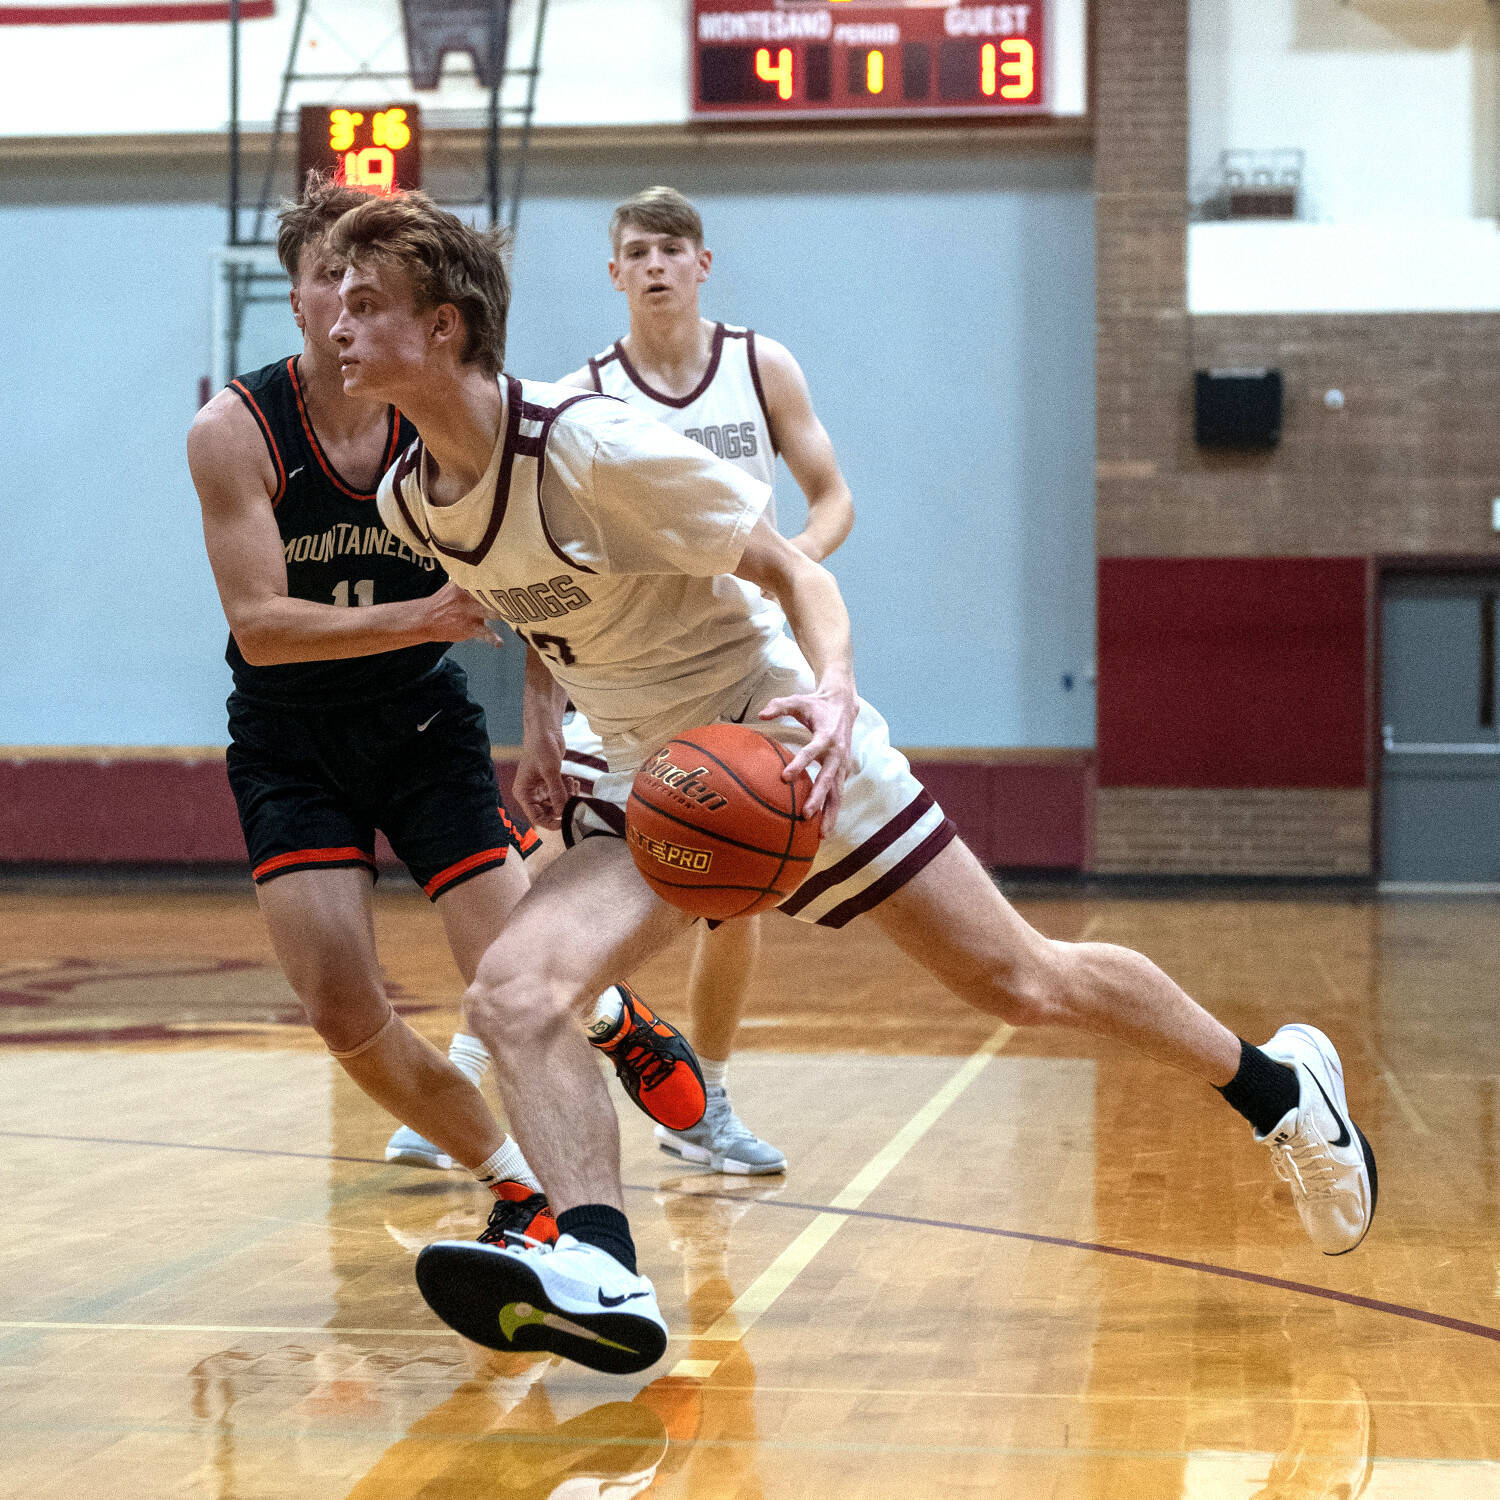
(376,149)
(801,58)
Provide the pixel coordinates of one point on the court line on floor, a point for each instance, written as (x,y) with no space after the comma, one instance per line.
(762,1293)
(757,1298)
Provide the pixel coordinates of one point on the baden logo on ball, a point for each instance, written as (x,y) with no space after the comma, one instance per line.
(712,826)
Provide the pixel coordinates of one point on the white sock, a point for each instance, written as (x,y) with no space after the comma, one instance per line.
(506,1165)
(467,1054)
(604,1020)
(714,1071)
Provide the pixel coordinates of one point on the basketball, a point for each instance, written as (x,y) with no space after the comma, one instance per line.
(712,826)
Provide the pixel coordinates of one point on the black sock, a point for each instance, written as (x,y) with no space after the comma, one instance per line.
(1263,1090)
(603,1227)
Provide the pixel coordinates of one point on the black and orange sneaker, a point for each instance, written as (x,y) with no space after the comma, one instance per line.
(519,1210)
(655,1064)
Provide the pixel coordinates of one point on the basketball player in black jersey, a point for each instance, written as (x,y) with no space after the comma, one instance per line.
(345,718)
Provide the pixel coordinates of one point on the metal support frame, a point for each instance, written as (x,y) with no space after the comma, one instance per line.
(246,282)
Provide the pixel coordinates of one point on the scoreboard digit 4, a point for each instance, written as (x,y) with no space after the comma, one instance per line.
(850,58)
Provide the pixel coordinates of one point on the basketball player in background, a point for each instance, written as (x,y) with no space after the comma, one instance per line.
(651,559)
(346,717)
(746,400)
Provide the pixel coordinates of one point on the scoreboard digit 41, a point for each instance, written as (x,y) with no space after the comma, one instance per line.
(851,58)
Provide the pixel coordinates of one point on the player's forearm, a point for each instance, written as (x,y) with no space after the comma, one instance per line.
(819,621)
(543,703)
(285,630)
(830,519)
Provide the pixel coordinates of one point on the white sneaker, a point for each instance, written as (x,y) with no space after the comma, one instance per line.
(413,1150)
(1317,1150)
(570,1299)
(722,1141)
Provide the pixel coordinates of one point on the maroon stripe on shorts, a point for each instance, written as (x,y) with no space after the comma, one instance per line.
(857,859)
(894,878)
(596,762)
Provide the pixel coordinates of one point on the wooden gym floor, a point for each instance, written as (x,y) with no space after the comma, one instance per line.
(1000,1264)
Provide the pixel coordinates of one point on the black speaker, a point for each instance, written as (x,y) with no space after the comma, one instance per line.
(1237,408)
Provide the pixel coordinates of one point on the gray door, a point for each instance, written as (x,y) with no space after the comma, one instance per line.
(1440,767)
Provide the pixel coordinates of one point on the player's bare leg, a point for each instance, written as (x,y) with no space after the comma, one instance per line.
(952,920)
(590,916)
(322,928)
(719,988)
(473,914)
(588,919)
(653,1061)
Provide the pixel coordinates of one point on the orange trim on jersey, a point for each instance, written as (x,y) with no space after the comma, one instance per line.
(446,877)
(265,432)
(392,447)
(310,857)
(525,842)
(312,441)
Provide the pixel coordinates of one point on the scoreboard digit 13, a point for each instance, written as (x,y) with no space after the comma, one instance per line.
(803,58)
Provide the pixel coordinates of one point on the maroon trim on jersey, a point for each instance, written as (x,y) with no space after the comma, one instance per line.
(337,479)
(547,415)
(678,401)
(594,375)
(894,878)
(858,858)
(513,438)
(760,391)
(265,432)
(411,463)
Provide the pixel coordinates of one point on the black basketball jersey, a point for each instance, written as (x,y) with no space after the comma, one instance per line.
(337,551)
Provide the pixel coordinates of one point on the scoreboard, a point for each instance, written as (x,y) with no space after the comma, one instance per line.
(375,149)
(850,58)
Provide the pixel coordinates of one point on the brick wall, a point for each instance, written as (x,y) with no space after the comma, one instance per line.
(1241,831)
(1407,467)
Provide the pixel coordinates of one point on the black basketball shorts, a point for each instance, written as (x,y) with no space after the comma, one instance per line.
(313,784)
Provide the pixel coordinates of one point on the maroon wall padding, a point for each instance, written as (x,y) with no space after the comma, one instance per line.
(118,811)
(83,810)
(1033,815)
(1232,672)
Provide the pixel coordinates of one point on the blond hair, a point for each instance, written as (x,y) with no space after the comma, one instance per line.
(657,210)
(447,260)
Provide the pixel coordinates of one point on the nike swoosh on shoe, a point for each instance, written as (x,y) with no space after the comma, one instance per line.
(1344,1137)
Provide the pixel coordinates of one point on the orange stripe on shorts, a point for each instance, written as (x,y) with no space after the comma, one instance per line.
(443,877)
(309,857)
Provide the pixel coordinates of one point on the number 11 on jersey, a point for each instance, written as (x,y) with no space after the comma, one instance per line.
(364,592)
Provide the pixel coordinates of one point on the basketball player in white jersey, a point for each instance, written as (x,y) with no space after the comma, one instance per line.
(638,564)
(746,400)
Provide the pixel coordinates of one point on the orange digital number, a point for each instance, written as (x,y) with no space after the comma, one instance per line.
(1021,66)
(780,74)
(987,68)
(373,169)
(875,72)
(341,123)
(389,128)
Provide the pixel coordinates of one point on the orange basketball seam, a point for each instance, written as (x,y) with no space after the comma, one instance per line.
(749,791)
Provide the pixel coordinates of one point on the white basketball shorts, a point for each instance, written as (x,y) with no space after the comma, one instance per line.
(889,827)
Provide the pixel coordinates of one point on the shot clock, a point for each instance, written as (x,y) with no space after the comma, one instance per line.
(377,149)
(858,57)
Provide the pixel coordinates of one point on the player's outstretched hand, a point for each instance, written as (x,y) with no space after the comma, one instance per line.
(452,615)
(828,713)
(540,786)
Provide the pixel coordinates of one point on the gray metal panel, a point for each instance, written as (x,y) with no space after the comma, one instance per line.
(1430,668)
(1439,795)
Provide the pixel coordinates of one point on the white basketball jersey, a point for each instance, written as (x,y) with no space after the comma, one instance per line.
(725,412)
(605,540)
